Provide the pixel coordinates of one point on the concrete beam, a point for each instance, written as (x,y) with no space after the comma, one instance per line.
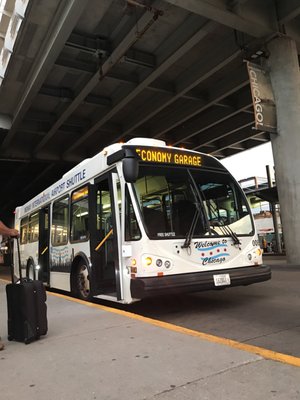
(76,65)
(166,62)
(223,89)
(259,23)
(228,127)
(238,146)
(118,52)
(287,10)
(63,23)
(192,77)
(211,118)
(205,120)
(89,44)
(236,140)
(156,86)
(5,121)
(101,47)
(67,95)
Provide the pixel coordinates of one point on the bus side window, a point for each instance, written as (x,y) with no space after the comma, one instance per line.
(59,229)
(104,209)
(79,215)
(24,230)
(33,234)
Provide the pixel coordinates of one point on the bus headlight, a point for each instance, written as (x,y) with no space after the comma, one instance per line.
(148,261)
(258,252)
(167,264)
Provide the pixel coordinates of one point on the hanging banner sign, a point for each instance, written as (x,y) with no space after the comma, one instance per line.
(262,98)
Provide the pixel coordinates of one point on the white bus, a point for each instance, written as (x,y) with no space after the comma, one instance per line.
(141,219)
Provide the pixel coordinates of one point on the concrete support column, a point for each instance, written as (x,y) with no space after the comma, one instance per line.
(285,78)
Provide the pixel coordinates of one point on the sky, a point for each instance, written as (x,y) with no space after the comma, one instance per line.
(250,162)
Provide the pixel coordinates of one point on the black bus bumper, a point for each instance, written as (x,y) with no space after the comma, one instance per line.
(196,282)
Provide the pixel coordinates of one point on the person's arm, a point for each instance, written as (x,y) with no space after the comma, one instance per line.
(4,230)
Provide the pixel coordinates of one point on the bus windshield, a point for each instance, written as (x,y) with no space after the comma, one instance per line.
(173,199)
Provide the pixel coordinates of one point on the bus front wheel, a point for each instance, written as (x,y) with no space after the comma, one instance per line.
(81,281)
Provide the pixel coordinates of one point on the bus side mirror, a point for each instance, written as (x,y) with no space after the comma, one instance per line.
(130,169)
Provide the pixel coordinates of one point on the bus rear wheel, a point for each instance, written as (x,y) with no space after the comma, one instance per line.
(81,282)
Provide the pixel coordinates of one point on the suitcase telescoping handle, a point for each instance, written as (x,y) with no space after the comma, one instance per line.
(10,253)
(19,258)
(12,260)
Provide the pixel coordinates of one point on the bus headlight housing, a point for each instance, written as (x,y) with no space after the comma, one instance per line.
(153,262)
(255,255)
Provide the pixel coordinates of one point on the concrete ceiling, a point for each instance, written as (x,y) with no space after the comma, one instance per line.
(87,73)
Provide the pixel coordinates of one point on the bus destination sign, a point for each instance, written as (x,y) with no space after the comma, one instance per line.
(169,156)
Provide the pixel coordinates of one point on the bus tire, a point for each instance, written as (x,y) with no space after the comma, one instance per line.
(81,281)
(30,271)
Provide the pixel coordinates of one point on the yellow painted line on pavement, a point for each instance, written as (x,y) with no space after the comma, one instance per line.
(260,351)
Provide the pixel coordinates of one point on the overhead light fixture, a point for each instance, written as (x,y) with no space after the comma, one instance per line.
(258,53)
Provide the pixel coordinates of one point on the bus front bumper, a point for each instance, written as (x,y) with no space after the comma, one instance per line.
(196,282)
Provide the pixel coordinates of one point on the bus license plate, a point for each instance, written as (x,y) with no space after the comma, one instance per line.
(222,280)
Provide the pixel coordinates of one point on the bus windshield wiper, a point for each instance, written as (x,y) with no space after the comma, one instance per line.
(236,240)
(225,229)
(199,211)
(229,232)
(190,233)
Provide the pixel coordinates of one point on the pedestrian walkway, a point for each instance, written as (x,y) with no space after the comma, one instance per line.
(95,352)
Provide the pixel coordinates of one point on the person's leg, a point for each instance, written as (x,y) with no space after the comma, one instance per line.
(1,345)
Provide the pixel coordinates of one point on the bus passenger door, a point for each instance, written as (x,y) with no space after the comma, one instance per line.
(103,240)
(44,237)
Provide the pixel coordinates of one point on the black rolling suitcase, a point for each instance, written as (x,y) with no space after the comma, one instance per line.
(26,307)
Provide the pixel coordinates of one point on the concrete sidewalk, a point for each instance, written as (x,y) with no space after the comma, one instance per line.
(92,353)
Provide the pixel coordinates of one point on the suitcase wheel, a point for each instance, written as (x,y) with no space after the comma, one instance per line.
(30,340)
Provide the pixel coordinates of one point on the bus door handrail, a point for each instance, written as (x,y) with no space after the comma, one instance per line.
(104,240)
(44,251)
